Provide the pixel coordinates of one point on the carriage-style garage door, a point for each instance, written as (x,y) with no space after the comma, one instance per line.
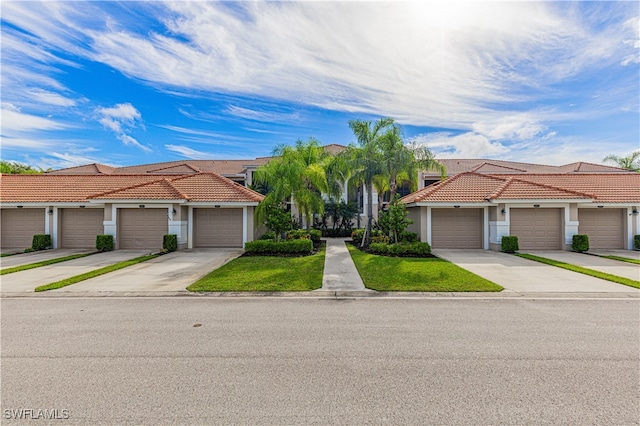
(456,228)
(79,227)
(217,227)
(20,225)
(605,227)
(142,228)
(537,229)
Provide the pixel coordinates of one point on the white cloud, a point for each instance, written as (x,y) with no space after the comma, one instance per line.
(187,152)
(519,126)
(257,115)
(51,98)
(129,141)
(14,122)
(121,119)
(465,145)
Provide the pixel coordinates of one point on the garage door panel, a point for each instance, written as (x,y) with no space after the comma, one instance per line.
(217,227)
(142,228)
(605,227)
(20,225)
(537,229)
(456,228)
(79,227)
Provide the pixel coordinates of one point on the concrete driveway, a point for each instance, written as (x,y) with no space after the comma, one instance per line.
(171,272)
(526,276)
(38,256)
(27,281)
(609,266)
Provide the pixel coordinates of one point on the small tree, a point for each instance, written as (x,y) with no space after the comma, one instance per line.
(278,219)
(394,221)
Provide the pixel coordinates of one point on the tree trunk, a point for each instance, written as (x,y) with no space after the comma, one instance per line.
(369,209)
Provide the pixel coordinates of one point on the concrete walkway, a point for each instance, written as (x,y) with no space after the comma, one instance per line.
(609,266)
(340,273)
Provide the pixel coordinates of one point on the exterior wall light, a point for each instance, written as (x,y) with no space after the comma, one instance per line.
(50,211)
(173,211)
(503,211)
(635,212)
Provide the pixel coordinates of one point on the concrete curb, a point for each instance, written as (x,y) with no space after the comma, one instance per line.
(323,294)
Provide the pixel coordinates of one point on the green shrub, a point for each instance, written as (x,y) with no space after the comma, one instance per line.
(315,234)
(266,247)
(170,242)
(401,249)
(269,235)
(510,244)
(636,242)
(104,242)
(580,243)
(380,239)
(298,234)
(356,236)
(41,242)
(408,237)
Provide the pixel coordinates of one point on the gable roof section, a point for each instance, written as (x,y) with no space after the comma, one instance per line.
(89,169)
(583,167)
(456,166)
(81,188)
(487,167)
(178,168)
(473,187)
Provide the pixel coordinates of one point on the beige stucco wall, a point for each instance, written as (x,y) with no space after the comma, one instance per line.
(414,215)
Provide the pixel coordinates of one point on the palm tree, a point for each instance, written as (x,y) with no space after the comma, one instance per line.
(297,172)
(365,158)
(630,162)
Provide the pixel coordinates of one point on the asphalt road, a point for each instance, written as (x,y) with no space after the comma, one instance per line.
(321,361)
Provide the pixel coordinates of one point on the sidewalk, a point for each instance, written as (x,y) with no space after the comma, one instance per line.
(340,273)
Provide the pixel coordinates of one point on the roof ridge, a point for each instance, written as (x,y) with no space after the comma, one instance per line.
(557,188)
(174,166)
(124,188)
(223,180)
(500,189)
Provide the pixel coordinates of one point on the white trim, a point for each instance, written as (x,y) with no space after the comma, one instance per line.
(135,203)
(222,205)
(629,242)
(544,201)
(190,228)
(55,231)
(244,226)
(485,230)
(596,205)
(47,228)
(429,223)
(447,205)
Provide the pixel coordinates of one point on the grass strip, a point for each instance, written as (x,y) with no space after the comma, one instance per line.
(42,263)
(582,270)
(265,273)
(8,254)
(384,273)
(622,259)
(95,273)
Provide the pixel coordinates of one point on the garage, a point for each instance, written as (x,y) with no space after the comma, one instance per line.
(20,225)
(142,228)
(79,227)
(605,227)
(537,229)
(217,227)
(456,228)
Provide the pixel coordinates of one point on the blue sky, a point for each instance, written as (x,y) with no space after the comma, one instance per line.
(136,82)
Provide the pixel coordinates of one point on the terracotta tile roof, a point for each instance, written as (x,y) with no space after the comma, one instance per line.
(334,148)
(177,169)
(456,166)
(81,188)
(473,187)
(196,187)
(605,187)
(90,169)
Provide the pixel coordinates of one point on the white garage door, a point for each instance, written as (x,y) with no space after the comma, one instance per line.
(142,228)
(217,227)
(456,228)
(537,229)
(20,225)
(79,227)
(605,227)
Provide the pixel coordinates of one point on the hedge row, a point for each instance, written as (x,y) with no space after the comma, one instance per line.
(401,249)
(269,247)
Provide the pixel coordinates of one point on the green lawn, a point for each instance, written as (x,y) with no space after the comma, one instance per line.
(582,270)
(95,273)
(622,259)
(383,273)
(265,273)
(42,263)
